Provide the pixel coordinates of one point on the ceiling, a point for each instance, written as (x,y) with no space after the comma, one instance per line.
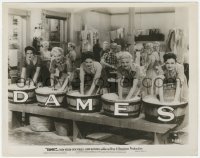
(115,10)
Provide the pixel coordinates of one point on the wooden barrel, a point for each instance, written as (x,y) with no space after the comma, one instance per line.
(151,111)
(43,93)
(72,102)
(41,123)
(132,109)
(30,90)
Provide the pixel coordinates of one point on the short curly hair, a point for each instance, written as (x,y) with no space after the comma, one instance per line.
(169,56)
(30,48)
(86,55)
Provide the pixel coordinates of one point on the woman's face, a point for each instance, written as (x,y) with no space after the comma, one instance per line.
(29,54)
(125,63)
(157,48)
(57,56)
(88,63)
(149,50)
(170,64)
(70,47)
(105,46)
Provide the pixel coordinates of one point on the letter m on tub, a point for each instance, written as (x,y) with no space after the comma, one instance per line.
(83,106)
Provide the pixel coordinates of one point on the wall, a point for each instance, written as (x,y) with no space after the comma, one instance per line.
(35,19)
(163,21)
(182,21)
(101,22)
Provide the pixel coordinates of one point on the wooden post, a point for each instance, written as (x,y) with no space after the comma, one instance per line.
(76,131)
(131,29)
(16,119)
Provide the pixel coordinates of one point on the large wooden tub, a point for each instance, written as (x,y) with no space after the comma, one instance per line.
(74,99)
(109,101)
(151,106)
(43,93)
(30,90)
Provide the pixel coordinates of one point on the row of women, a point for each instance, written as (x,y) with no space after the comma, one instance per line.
(53,68)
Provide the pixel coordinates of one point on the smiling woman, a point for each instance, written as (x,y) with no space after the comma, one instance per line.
(173,73)
(31,65)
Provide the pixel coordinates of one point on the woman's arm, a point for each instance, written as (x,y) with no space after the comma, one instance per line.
(35,78)
(178,90)
(95,79)
(82,77)
(23,75)
(119,82)
(106,64)
(133,88)
(65,83)
(159,83)
(52,79)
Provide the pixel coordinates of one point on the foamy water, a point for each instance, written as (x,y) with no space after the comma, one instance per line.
(154,100)
(20,86)
(48,90)
(115,97)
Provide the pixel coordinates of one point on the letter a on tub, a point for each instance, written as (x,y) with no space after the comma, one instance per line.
(163,113)
(117,108)
(52,99)
(84,105)
(15,97)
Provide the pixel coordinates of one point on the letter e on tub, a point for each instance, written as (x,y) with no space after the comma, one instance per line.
(117,108)
(79,104)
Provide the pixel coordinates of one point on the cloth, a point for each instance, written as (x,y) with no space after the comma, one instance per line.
(177,73)
(103,52)
(70,60)
(61,66)
(152,64)
(94,74)
(110,58)
(97,50)
(46,55)
(127,77)
(31,66)
(113,35)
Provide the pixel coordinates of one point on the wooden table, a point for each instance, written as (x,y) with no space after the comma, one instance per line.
(96,118)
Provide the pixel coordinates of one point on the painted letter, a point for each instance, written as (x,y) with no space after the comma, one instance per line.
(52,99)
(164,113)
(117,108)
(23,97)
(84,105)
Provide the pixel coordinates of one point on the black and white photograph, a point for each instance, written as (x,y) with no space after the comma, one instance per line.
(99,78)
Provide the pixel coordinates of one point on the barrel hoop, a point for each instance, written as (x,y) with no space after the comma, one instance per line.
(130,103)
(57,95)
(82,111)
(24,90)
(49,105)
(84,97)
(146,104)
(129,115)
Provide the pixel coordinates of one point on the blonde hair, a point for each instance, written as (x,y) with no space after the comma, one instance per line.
(45,43)
(125,55)
(57,50)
